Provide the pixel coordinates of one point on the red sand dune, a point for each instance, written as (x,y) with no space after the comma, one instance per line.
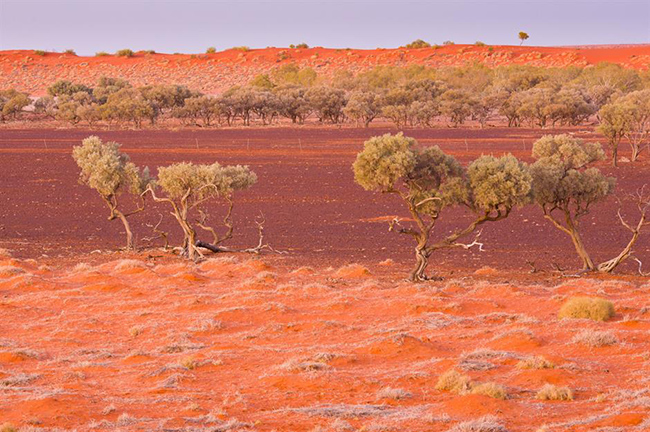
(212,73)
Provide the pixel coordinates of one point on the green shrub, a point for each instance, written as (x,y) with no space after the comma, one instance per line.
(241,48)
(39,52)
(592,308)
(101,54)
(124,53)
(211,50)
(69,51)
(418,43)
(149,52)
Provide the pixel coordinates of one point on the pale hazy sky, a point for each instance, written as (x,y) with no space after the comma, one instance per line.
(191,26)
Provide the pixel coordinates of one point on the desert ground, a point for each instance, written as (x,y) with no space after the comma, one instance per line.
(327,336)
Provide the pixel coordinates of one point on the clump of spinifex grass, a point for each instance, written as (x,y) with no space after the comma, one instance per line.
(592,308)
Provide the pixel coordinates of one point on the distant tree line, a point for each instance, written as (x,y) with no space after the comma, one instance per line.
(416,96)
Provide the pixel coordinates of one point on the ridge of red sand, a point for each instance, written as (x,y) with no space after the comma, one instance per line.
(212,73)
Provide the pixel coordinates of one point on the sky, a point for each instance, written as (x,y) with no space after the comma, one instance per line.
(89,26)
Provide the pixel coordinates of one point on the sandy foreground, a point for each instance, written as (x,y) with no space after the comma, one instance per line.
(150,342)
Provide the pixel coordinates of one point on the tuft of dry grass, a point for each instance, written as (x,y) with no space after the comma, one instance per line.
(553,392)
(8,427)
(490,389)
(483,424)
(453,381)
(595,338)
(535,362)
(593,308)
(189,363)
(393,393)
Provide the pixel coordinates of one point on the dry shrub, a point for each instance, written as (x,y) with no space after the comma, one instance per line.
(592,308)
(553,392)
(453,381)
(490,389)
(352,271)
(4,253)
(483,424)
(189,363)
(393,393)
(8,427)
(594,338)
(535,362)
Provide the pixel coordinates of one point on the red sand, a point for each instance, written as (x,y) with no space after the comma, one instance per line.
(213,73)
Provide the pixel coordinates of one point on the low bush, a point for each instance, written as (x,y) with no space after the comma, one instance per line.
(418,43)
(101,54)
(124,53)
(535,362)
(453,381)
(490,389)
(552,392)
(594,338)
(211,50)
(592,308)
(39,52)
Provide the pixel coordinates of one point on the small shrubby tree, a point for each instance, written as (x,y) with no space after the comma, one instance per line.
(523,36)
(187,187)
(111,173)
(565,187)
(12,103)
(614,124)
(429,181)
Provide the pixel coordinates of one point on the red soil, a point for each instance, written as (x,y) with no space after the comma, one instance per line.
(148,342)
(234,343)
(212,73)
(312,207)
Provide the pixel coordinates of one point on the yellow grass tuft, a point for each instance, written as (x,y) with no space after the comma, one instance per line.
(8,427)
(453,381)
(592,308)
(535,362)
(490,389)
(552,392)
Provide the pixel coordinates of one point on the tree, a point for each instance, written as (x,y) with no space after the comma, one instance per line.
(636,109)
(327,103)
(128,104)
(63,87)
(293,103)
(363,106)
(614,125)
(188,188)
(428,181)
(111,173)
(12,103)
(565,188)
(523,36)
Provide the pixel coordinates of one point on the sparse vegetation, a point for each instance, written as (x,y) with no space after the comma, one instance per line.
(211,50)
(490,389)
(101,54)
(69,51)
(553,392)
(522,37)
(416,44)
(125,53)
(428,181)
(242,48)
(454,382)
(592,308)
(595,338)
(187,187)
(39,52)
(535,362)
(111,173)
